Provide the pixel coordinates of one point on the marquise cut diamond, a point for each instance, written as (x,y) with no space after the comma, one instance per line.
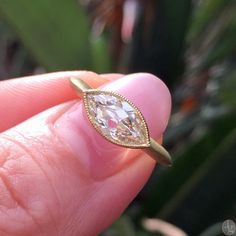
(116,118)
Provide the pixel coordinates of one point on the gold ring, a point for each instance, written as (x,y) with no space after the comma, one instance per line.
(119,121)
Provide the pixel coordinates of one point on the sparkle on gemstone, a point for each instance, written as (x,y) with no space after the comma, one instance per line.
(116,118)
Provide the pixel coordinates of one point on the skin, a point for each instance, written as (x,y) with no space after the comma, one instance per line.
(58,176)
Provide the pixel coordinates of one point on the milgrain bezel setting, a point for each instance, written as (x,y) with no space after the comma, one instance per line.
(143,124)
(149,145)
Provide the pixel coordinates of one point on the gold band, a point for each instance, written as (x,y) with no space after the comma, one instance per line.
(151,147)
(159,153)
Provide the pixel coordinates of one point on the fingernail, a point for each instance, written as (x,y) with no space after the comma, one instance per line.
(99,157)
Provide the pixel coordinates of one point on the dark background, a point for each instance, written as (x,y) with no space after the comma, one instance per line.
(190,45)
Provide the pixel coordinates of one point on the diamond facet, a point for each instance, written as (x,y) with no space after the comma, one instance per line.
(116,118)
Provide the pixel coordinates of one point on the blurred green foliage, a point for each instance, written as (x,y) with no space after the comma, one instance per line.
(46,28)
(191,45)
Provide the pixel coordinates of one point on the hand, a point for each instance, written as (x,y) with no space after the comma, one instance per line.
(58,176)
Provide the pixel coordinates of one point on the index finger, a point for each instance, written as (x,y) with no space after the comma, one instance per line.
(24,97)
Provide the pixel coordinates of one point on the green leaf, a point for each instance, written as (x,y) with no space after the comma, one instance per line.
(228,88)
(225,43)
(214,41)
(100,55)
(207,11)
(56,32)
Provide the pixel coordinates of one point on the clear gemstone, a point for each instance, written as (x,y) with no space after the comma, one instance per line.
(116,118)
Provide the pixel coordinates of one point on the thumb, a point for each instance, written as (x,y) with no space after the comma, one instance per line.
(58,176)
